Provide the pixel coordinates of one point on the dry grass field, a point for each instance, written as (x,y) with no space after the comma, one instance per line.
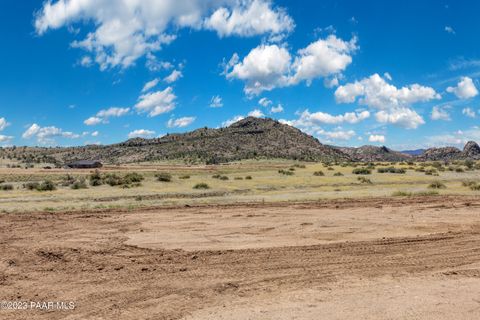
(288,242)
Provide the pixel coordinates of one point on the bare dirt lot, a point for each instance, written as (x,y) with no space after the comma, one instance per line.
(384,258)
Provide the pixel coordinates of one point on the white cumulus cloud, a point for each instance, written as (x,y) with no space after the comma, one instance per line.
(376,138)
(180,122)
(125,30)
(3,124)
(250,18)
(440,113)
(465,89)
(271,66)
(47,135)
(469,112)
(256,113)
(394,103)
(174,76)
(141,133)
(216,102)
(277,109)
(156,103)
(150,84)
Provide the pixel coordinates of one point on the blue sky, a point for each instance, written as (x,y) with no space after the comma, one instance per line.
(397,73)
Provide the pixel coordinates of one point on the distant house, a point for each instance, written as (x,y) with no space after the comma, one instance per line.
(84,164)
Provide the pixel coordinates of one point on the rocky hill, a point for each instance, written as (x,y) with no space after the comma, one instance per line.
(245,139)
(373,153)
(470,151)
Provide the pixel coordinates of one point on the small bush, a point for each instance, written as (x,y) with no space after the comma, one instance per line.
(31,185)
(248,178)
(164,177)
(338,174)
(437,185)
(459,169)
(184,177)
(361,171)
(364,180)
(46,185)
(201,185)
(79,184)
(224,178)
(286,172)
(330,169)
(475,187)
(391,170)
(319,173)
(6,187)
(238,178)
(301,166)
(431,172)
(132,177)
(96,179)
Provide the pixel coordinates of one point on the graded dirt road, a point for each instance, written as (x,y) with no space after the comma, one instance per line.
(365,259)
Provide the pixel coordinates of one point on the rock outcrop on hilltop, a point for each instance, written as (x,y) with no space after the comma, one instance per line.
(373,153)
(471,150)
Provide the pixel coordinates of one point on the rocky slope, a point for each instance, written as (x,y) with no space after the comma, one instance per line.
(373,153)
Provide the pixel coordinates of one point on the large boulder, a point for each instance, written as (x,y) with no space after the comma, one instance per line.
(471,150)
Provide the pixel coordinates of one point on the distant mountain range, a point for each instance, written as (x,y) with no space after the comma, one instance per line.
(246,139)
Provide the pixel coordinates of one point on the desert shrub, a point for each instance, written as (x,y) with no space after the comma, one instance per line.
(361,171)
(163,177)
(475,187)
(459,169)
(47,185)
(224,178)
(430,172)
(95,179)
(468,183)
(410,163)
(216,176)
(238,178)
(6,187)
(248,178)
(364,180)
(318,173)
(112,179)
(184,177)
(470,164)
(68,180)
(31,185)
(291,169)
(330,169)
(301,166)
(391,170)
(201,185)
(436,164)
(338,174)
(79,184)
(286,172)
(437,185)
(132,177)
